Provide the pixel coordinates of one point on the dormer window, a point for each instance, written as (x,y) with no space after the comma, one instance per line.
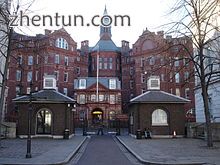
(49,82)
(62,43)
(154,83)
(82,84)
(112,83)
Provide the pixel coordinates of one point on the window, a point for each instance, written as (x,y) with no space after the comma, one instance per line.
(162,76)
(82,99)
(142,78)
(65,91)
(28,90)
(187,93)
(186,76)
(105,63)
(100,63)
(176,62)
(66,61)
(65,79)
(110,63)
(171,77)
(177,77)
(159,117)
(112,84)
(36,75)
(152,61)
(131,84)
(61,43)
(44,121)
(131,71)
(101,97)
(142,61)
(48,83)
(29,76)
(18,91)
(57,59)
(162,61)
(186,61)
(112,99)
(177,91)
(93,97)
(82,84)
(112,115)
(18,75)
(45,59)
(78,70)
(56,73)
(37,62)
(30,60)
(20,59)
(78,59)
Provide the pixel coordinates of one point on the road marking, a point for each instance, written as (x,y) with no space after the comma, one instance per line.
(79,154)
(129,156)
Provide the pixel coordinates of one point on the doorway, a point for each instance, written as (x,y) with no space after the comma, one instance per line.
(44,119)
(97,116)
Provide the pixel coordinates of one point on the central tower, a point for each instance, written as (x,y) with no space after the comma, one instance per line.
(105,31)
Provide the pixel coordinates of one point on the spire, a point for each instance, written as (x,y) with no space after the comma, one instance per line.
(105,11)
(105,31)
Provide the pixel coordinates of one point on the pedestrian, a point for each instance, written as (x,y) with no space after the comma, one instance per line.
(100,130)
(147,133)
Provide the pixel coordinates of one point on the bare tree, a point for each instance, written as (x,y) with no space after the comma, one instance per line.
(5,39)
(199,19)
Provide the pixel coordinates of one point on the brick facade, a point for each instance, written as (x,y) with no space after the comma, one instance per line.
(59,122)
(142,114)
(131,66)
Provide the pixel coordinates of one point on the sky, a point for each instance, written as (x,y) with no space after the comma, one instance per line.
(143,14)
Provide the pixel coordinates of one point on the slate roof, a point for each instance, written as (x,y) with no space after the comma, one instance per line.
(157,96)
(105,45)
(102,80)
(45,96)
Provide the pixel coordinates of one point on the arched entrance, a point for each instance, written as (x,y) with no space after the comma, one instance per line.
(97,116)
(44,121)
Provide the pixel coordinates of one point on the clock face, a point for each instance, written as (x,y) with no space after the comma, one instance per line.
(106,21)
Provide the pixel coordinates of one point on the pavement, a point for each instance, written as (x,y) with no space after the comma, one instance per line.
(178,151)
(44,151)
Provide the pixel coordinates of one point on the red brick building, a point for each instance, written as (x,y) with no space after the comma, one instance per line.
(168,58)
(56,53)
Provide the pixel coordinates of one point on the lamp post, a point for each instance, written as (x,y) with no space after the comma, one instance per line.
(145,76)
(28,154)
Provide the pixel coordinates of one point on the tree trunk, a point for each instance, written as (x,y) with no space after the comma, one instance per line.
(207,114)
(5,78)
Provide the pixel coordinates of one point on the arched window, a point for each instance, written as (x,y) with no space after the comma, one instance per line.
(61,43)
(159,117)
(44,120)
(112,115)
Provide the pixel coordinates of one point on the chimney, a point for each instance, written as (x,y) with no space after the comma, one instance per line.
(47,32)
(50,82)
(153,83)
(161,34)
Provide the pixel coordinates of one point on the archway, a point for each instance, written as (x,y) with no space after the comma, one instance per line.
(97,116)
(44,121)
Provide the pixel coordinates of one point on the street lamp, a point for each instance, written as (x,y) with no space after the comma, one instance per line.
(145,76)
(28,154)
